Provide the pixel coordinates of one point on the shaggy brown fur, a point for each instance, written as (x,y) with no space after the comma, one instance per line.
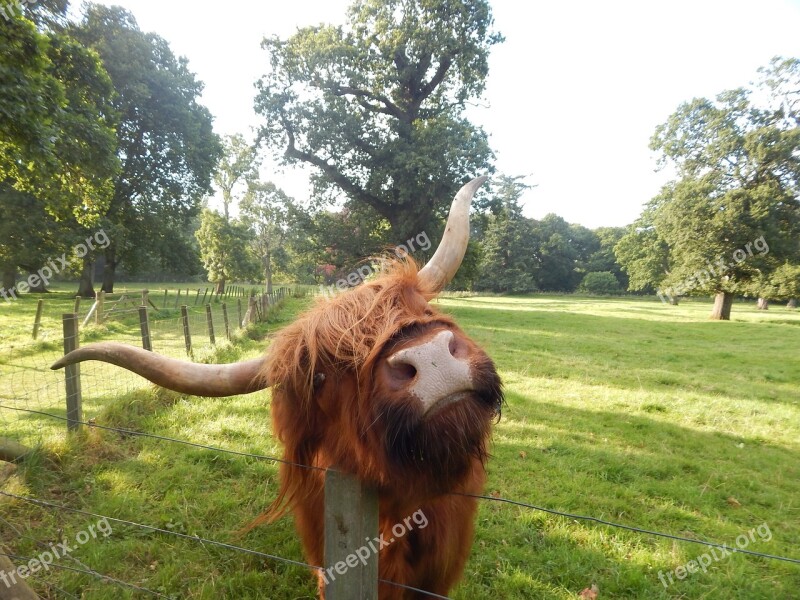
(354,422)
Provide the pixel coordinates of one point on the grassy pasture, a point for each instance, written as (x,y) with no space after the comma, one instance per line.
(627,410)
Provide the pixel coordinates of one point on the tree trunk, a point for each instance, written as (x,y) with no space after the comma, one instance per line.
(41,288)
(763,304)
(673,300)
(110,269)
(220,289)
(86,284)
(792,303)
(10,282)
(722,306)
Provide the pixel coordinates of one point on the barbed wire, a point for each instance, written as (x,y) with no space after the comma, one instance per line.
(478,496)
(133,432)
(196,538)
(120,582)
(628,527)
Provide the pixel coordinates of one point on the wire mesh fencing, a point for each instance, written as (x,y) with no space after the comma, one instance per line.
(188,331)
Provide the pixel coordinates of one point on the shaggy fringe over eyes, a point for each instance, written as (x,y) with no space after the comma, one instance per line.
(327,338)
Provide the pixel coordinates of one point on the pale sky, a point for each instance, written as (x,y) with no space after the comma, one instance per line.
(572,97)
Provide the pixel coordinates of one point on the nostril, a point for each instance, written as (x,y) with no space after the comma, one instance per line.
(452,346)
(403,371)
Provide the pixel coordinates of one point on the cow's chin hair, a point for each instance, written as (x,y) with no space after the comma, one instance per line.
(437,450)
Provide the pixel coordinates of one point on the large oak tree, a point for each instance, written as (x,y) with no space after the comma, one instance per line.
(376,107)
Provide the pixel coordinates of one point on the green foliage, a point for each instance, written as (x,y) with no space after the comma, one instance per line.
(738,167)
(57,123)
(265,212)
(600,282)
(224,248)
(508,247)
(376,106)
(238,165)
(559,253)
(165,140)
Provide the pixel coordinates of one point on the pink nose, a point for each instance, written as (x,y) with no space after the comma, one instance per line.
(437,370)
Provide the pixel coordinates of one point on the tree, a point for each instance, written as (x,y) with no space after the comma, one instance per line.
(508,247)
(376,106)
(57,124)
(265,210)
(165,141)
(239,164)
(738,168)
(223,249)
(559,255)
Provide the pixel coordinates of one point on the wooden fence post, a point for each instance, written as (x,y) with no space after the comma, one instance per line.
(14,588)
(204,296)
(144,325)
(98,312)
(225,319)
(239,322)
(37,322)
(178,299)
(351,521)
(196,298)
(165,299)
(72,373)
(187,336)
(77,308)
(210,321)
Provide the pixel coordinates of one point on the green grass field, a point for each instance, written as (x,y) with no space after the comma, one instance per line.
(627,410)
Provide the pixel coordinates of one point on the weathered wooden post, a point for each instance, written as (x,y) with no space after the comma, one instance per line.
(210,321)
(77,308)
(239,304)
(13,588)
(196,298)
(72,373)
(351,522)
(225,319)
(144,325)
(165,299)
(178,299)
(37,322)
(187,336)
(98,313)
(204,296)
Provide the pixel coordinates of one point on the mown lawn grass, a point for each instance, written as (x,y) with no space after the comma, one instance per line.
(627,410)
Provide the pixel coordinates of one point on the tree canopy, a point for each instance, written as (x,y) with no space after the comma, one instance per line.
(165,140)
(376,106)
(737,185)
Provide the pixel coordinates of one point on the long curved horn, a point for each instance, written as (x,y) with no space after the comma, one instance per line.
(442,266)
(186,377)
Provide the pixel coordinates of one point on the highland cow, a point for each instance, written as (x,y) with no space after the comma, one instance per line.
(378,383)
